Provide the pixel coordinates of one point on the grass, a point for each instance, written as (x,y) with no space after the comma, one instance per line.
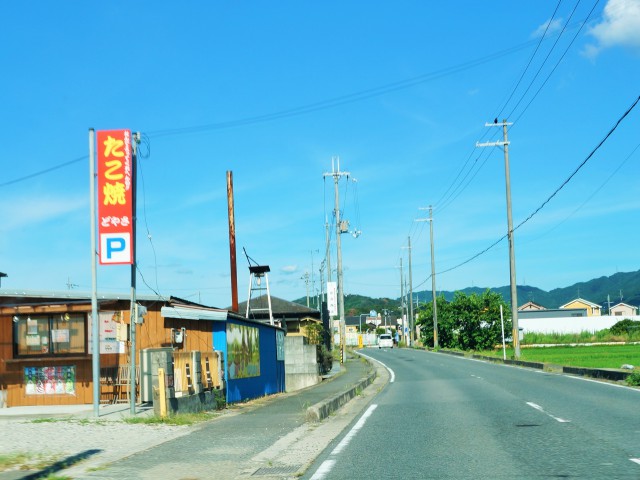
(178,419)
(595,356)
(26,461)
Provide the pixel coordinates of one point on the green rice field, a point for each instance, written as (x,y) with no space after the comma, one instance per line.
(595,356)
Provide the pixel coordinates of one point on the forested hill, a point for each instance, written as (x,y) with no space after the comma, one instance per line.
(622,286)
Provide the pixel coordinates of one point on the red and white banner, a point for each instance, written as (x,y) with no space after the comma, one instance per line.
(115,197)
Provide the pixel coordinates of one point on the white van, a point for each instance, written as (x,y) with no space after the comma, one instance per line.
(385,340)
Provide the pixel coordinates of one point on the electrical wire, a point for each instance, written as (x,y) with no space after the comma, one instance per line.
(544,34)
(46,170)
(562,185)
(556,65)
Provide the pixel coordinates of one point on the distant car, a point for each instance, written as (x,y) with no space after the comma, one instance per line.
(385,340)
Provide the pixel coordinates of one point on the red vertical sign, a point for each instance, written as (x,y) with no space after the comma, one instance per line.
(115,197)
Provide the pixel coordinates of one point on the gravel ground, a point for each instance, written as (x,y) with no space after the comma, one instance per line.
(55,439)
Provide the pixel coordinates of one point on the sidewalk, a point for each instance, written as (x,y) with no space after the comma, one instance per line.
(277,435)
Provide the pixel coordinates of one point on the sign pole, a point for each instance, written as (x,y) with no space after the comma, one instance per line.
(95,324)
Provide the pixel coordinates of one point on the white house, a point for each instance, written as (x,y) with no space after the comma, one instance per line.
(623,310)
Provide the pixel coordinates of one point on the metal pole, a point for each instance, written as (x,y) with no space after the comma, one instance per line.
(512,255)
(95,323)
(133,314)
(433,281)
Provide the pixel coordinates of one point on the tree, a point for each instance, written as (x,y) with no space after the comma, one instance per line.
(469,322)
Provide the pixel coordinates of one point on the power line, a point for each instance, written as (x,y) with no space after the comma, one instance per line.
(46,170)
(537,210)
(343,99)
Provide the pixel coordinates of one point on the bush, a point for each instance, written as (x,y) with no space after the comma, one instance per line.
(634,379)
(325,359)
(625,326)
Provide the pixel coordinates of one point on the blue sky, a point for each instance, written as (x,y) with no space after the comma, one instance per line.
(272,91)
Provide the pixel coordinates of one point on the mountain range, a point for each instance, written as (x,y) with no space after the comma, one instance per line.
(619,287)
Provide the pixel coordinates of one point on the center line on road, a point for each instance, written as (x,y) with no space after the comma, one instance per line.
(539,408)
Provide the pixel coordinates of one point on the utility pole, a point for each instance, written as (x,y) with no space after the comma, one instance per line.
(336,174)
(133,314)
(433,276)
(327,255)
(512,255)
(433,282)
(402,297)
(305,277)
(313,281)
(410,305)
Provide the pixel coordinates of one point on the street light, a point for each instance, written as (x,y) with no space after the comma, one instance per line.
(361,321)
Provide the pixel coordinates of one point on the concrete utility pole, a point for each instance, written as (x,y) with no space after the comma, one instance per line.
(328,248)
(305,277)
(133,314)
(512,255)
(433,281)
(402,298)
(433,277)
(410,306)
(336,174)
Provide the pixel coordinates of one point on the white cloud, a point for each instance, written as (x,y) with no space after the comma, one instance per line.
(28,211)
(553,26)
(289,269)
(620,25)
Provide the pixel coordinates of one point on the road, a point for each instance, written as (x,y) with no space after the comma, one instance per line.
(447,417)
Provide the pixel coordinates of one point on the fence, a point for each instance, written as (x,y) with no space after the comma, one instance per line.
(194,372)
(115,384)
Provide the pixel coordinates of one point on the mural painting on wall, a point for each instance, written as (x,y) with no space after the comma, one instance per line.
(243,351)
(50,380)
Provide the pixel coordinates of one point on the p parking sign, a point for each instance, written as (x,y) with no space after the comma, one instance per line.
(115,196)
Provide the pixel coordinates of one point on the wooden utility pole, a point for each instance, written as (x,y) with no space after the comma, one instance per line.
(232,243)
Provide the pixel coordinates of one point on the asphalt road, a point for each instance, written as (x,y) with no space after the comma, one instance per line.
(448,417)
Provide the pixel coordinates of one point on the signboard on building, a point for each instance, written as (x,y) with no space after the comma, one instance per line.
(332,298)
(115,197)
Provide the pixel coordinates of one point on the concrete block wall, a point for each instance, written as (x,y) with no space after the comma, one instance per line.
(300,364)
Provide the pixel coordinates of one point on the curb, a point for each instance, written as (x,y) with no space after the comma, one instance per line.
(321,410)
(597,373)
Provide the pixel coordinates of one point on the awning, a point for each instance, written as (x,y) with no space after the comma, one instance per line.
(195,314)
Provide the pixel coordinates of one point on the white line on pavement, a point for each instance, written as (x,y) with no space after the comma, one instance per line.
(538,407)
(635,460)
(391,372)
(323,470)
(326,466)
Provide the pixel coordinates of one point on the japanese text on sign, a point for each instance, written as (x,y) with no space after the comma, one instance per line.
(115,197)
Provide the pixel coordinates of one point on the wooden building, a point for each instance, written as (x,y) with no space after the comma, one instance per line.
(46,345)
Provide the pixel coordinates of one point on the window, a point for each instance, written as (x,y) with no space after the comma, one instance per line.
(50,335)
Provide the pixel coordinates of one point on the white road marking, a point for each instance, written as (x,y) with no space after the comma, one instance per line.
(326,466)
(356,428)
(323,470)
(391,372)
(635,460)
(539,408)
